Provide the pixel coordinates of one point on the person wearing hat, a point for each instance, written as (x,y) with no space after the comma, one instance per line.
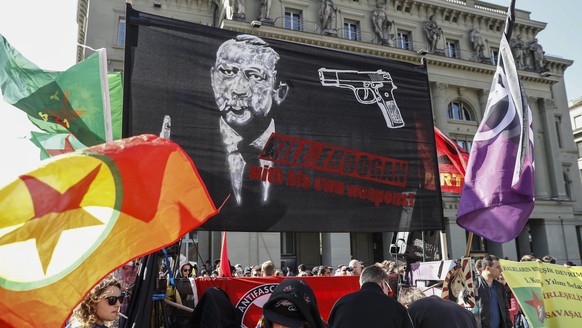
(292,304)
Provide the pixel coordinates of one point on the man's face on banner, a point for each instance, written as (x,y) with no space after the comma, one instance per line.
(243,80)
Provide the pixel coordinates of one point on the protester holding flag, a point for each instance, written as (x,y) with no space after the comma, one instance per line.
(101,305)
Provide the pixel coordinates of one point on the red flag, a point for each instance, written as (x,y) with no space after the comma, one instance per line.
(67,224)
(224,262)
(452,162)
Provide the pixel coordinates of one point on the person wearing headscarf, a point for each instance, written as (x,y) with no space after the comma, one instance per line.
(292,304)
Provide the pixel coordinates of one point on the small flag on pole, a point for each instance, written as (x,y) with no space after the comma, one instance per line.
(498,195)
(224,262)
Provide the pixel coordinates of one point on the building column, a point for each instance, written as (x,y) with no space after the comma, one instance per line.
(439,105)
(503,250)
(542,176)
(547,108)
(550,238)
(335,248)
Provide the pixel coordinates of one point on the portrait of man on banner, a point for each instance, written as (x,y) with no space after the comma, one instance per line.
(288,136)
(244,83)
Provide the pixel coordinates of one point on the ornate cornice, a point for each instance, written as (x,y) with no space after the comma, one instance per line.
(382,50)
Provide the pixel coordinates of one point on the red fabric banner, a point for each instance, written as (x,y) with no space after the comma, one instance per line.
(452,161)
(249,294)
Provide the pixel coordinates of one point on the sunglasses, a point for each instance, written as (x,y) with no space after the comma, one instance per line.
(186,270)
(112,300)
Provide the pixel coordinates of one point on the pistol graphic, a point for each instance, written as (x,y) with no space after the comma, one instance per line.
(369,88)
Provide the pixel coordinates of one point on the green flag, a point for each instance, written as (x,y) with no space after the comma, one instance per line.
(52,144)
(62,102)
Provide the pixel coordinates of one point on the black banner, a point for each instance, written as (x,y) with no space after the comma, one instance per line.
(297,137)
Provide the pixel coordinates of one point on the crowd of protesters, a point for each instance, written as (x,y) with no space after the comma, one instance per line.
(293,302)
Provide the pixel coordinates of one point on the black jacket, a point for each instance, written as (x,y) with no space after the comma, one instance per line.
(483,300)
(369,307)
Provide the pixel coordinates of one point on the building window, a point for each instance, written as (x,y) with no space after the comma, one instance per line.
(351,30)
(466,144)
(494,56)
(293,20)
(452,49)
(404,40)
(287,243)
(458,110)
(121,32)
(578,122)
(579,144)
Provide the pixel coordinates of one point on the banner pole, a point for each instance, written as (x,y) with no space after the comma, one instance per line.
(444,249)
(469,242)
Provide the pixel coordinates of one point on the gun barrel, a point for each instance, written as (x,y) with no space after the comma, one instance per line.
(356,78)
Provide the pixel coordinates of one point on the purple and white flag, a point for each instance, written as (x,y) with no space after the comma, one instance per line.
(498,195)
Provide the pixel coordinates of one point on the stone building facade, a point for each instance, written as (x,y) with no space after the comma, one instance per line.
(576,121)
(458,40)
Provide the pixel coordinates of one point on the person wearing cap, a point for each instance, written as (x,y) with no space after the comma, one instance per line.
(292,304)
(370,306)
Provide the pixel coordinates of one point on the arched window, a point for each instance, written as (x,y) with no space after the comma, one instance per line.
(458,110)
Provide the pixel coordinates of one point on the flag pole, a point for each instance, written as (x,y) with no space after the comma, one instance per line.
(469,243)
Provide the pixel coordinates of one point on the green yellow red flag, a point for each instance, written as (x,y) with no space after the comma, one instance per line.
(77,101)
(67,224)
(550,295)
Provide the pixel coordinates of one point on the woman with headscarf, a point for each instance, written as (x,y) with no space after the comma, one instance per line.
(292,304)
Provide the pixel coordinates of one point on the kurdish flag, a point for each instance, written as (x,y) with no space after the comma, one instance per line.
(75,101)
(67,224)
(498,195)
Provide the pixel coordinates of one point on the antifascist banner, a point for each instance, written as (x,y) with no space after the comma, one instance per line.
(67,224)
(249,294)
(550,295)
(293,137)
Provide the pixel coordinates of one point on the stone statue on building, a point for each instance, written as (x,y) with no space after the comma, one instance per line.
(264,11)
(238,9)
(535,56)
(478,44)
(382,25)
(517,50)
(328,15)
(433,33)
